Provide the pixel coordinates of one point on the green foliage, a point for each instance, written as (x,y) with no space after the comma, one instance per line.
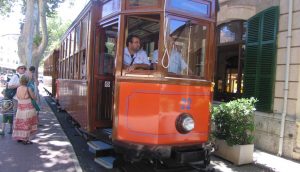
(37,40)
(52,5)
(56,28)
(234,121)
(6,7)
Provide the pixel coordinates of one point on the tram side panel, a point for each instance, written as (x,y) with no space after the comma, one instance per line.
(72,96)
(148,113)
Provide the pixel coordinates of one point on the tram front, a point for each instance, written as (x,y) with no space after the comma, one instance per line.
(163,80)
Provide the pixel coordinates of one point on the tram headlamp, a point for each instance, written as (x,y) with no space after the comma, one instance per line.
(185,123)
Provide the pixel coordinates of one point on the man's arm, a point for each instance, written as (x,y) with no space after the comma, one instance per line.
(14,82)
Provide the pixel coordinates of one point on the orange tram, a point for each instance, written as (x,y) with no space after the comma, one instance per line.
(157,112)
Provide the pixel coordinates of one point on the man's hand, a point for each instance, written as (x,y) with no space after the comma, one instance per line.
(131,68)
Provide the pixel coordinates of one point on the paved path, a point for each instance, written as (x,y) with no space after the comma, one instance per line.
(51,150)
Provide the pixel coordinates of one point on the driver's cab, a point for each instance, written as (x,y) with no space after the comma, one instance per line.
(158,42)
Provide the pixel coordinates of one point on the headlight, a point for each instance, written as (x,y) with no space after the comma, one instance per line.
(185,123)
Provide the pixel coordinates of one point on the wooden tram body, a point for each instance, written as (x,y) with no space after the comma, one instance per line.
(144,108)
(51,71)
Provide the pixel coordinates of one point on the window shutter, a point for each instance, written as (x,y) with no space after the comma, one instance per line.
(260,58)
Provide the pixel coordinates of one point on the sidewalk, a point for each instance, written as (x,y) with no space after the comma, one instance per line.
(51,150)
(262,162)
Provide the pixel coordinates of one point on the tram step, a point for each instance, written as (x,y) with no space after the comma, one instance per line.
(106,161)
(95,146)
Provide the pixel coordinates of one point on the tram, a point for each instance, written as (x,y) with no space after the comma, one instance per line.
(158,112)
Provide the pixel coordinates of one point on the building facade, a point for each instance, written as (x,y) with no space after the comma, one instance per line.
(258,56)
(9,58)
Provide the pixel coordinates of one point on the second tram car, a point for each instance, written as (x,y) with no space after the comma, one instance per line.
(50,73)
(158,111)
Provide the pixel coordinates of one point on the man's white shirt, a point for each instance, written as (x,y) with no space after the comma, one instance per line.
(139,57)
(15,80)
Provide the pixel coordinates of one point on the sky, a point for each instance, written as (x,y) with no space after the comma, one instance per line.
(12,24)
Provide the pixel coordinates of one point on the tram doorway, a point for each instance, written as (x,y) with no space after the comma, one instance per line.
(104,74)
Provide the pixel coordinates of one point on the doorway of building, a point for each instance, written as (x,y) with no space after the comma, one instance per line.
(230,61)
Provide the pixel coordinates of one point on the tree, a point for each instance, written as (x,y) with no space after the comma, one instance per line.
(33,38)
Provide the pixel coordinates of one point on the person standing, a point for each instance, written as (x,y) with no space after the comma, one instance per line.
(35,82)
(32,85)
(25,122)
(14,83)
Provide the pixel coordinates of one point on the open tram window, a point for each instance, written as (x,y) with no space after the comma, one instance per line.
(186,45)
(108,50)
(83,65)
(141,42)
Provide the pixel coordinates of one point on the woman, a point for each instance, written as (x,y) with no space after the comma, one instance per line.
(31,85)
(25,123)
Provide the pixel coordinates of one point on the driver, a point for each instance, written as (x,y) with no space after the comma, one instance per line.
(134,57)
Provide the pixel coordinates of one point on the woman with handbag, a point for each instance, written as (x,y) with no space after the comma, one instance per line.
(32,86)
(25,123)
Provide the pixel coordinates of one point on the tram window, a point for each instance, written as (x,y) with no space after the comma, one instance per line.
(134,3)
(191,7)
(77,44)
(186,48)
(67,61)
(141,41)
(83,65)
(108,50)
(71,71)
(76,66)
(72,42)
(84,32)
(66,48)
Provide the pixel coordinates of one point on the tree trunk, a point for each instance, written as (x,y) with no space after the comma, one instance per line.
(29,53)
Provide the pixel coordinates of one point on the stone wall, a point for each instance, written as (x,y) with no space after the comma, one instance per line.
(268,124)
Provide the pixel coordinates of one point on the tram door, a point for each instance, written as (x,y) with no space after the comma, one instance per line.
(105,53)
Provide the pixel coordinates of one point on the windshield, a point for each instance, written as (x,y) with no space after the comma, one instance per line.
(186,42)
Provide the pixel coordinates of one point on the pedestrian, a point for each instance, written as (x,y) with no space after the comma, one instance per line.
(25,122)
(7,114)
(31,85)
(14,83)
(35,82)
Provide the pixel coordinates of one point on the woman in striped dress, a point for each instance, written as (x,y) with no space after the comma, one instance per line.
(25,123)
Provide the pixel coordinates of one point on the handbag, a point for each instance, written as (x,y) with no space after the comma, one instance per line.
(10,92)
(33,102)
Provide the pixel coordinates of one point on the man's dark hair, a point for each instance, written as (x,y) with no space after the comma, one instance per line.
(32,69)
(130,37)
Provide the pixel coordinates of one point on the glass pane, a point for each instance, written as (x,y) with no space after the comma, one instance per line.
(134,3)
(76,66)
(84,32)
(190,6)
(83,65)
(71,71)
(142,42)
(66,48)
(108,50)
(110,7)
(230,32)
(186,48)
(77,44)
(72,42)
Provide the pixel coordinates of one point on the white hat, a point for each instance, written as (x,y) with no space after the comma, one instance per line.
(21,65)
